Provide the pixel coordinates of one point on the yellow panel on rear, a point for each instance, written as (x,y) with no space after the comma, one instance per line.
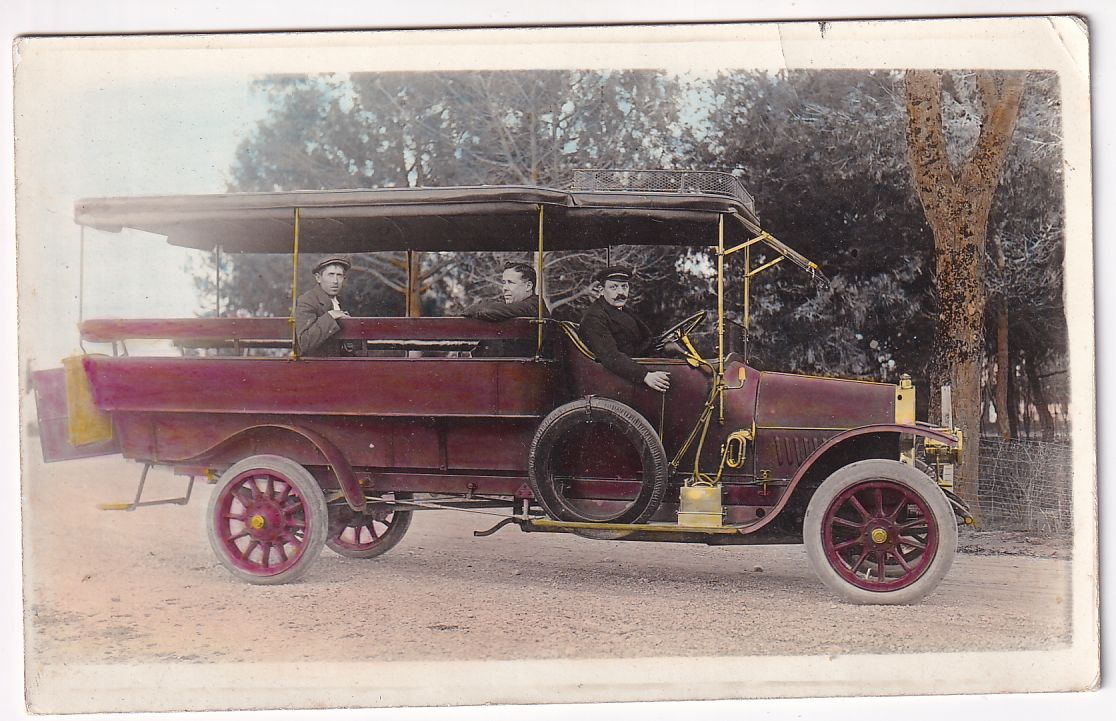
(87,422)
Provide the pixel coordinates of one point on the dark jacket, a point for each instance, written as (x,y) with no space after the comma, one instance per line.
(315,326)
(615,336)
(496,311)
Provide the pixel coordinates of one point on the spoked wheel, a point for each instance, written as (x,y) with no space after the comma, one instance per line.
(880,531)
(371,533)
(597,460)
(267,520)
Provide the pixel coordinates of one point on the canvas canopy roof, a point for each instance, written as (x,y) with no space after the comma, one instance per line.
(483,218)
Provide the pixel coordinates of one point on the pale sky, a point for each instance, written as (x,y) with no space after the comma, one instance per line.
(106,134)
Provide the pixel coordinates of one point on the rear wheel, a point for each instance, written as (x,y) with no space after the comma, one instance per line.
(880,532)
(370,533)
(267,520)
(597,460)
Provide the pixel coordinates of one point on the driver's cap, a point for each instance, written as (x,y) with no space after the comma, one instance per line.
(614,272)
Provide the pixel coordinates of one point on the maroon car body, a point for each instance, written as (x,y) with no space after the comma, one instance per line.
(374,431)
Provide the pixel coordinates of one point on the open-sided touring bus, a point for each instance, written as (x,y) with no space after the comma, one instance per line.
(341,451)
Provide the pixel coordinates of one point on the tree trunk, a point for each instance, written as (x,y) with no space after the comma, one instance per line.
(1012,402)
(1002,356)
(957,204)
(1003,411)
(1038,394)
(1028,400)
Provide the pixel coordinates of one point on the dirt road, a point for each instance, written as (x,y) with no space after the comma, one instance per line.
(144,586)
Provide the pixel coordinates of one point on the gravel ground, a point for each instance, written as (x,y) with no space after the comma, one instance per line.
(1014,543)
(114,587)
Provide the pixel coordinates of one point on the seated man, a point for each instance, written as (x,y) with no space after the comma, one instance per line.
(615,335)
(520,300)
(317,310)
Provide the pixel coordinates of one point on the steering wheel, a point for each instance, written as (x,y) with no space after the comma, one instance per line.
(679,330)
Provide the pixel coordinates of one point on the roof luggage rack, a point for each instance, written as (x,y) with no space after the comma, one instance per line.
(706,182)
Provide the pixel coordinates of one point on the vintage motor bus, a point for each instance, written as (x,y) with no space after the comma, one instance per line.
(307,452)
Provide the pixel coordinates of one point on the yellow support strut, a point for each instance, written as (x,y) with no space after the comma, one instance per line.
(294,287)
(539,285)
(721,311)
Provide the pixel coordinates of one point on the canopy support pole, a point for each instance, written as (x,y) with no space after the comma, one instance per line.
(294,286)
(747,298)
(540,290)
(81,278)
(721,312)
(408,270)
(217,250)
(81,288)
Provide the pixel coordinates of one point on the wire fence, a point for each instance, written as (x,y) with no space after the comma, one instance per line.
(1026,485)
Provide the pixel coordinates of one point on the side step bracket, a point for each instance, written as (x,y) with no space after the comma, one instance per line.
(137,503)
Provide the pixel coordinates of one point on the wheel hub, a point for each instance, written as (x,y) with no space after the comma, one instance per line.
(879,535)
(265,521)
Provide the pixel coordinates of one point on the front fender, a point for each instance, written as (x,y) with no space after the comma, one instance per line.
(934,435)
(878,428)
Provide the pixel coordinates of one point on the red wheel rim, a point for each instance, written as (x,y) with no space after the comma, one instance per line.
(262,521)
(367,530)
(879,535)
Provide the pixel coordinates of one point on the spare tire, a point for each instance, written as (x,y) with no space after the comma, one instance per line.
(597,460)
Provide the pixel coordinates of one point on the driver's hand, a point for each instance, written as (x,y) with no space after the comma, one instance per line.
(657,380)
(335,314)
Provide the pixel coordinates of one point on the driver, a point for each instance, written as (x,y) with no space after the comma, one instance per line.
(614,334)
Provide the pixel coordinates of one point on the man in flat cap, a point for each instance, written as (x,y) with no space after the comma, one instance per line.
(614,334)
(317,310)
(519,288)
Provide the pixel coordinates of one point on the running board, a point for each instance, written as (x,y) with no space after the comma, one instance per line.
(549,524)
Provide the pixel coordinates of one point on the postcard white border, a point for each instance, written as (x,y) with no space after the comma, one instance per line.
(1079,278)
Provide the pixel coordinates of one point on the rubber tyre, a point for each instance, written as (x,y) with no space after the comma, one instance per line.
(566,419)
(896,478)
(396,529)
(310,511)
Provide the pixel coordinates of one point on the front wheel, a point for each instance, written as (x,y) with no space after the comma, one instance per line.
(267,519)
(880,532)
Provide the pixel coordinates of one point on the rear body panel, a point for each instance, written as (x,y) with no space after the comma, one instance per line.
(446,387)
(418,443)
(54,421)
